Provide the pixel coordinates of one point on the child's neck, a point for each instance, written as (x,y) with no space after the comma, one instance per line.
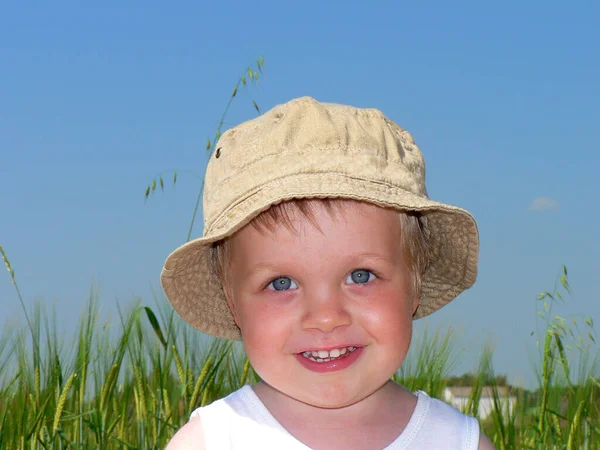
(383,415)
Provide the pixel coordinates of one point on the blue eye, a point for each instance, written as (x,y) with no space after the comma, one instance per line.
(281,284)
(360,276)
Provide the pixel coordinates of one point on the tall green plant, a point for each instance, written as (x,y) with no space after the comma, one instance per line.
(248,76)
(564,411)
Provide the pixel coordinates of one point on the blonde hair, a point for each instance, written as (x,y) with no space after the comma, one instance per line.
(413,227)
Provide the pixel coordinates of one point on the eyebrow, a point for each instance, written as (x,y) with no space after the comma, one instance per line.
(374,256)
(259,268)
(270,267)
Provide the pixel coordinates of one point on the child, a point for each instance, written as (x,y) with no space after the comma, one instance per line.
(320,247)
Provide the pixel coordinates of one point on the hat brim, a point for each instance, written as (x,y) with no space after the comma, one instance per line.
(198,296)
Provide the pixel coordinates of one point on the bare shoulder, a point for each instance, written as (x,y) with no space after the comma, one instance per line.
(485,443)
(189,437)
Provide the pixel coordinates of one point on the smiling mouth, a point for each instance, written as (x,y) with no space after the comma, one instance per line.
(328,355)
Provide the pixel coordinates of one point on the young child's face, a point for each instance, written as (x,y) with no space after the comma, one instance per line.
(346,286)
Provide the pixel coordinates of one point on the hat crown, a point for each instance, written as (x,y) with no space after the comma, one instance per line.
(306,136)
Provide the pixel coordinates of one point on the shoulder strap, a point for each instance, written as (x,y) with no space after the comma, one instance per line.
(241,421)
(435,424)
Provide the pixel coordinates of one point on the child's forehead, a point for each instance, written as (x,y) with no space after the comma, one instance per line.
(300,213)
(355,229)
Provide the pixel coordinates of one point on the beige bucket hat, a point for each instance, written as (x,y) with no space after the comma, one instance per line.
(301,149)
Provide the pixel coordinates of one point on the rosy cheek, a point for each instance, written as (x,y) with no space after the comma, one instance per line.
(380,302)
(264,323)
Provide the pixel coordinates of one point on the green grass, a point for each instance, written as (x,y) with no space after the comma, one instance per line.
(133,384)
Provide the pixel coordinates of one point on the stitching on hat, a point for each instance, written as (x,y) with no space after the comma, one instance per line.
(308,151)
(408,167)
(381,187)
(257,189)
(467,278)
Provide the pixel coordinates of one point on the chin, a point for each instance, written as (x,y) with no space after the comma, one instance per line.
(330,396)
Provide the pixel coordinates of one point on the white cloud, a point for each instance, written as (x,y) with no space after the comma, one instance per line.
(543,204)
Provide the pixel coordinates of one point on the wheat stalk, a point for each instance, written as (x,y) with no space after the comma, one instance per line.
(61,402)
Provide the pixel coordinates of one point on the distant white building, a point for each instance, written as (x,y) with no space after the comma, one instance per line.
(459,398)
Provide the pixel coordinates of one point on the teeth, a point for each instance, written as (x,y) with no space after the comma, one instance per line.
(326,356)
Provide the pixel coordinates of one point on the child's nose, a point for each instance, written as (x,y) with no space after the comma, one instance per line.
(325,313)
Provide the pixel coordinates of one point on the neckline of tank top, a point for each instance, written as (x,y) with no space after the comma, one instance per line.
(410,431)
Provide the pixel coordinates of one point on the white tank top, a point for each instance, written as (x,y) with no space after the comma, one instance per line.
(242,421)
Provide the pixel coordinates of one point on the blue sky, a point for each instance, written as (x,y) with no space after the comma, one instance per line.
(501,98)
